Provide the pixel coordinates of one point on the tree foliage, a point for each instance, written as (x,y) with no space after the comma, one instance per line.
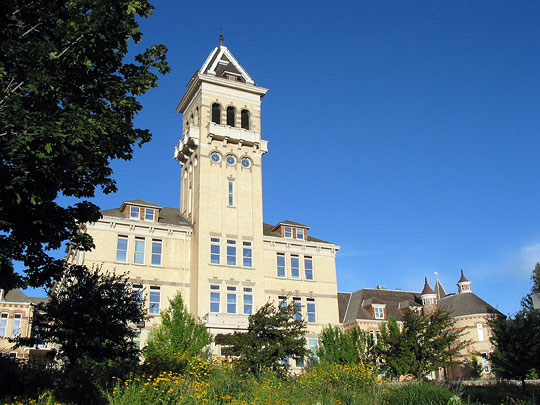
(67,103)
(179,333)
(351,347)
(476,369)
(516,339)
(423,344)
(273,335)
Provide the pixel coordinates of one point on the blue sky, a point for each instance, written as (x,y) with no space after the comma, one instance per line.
(405,132)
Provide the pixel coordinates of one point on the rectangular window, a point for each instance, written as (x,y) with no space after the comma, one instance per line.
(214,298)
(134,212)
(379,312)
(308,267)
(282,301)
(299,362)
(311,318)
(231,193)
(231,300)
(297,302)
(313,346)
(247,254)
(485,363)
(215,250)
(157,246)
(137,292)
(248,300)
(280,265)
(149,214)
(121,248)
(155,295)
(138,256)
(3,324)
(480,330)
(16,330)
(295,266)
(13,355)
(299,233)
(231,252)
(288,232)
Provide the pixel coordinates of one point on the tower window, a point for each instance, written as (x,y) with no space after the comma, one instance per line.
(216,113)
(244,119)
(231,116)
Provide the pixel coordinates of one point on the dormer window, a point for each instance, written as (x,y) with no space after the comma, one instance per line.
(379,312)
(299,233)
(134,212)
(149,214)
(287,232)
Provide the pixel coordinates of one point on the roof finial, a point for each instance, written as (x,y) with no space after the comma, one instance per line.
(220,36)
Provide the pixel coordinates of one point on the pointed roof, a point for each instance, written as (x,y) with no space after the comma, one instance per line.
(439,290)
(463,279)
(221,62)
(427,289)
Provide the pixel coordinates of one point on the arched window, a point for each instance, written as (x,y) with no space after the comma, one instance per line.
(216,113)
(231,115)
(244,118)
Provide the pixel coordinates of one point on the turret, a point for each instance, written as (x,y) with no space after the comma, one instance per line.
(428,296)
(464,285)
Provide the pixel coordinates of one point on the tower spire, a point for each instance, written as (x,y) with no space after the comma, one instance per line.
(220,36)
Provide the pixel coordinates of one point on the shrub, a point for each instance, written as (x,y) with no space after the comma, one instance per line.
(427,393)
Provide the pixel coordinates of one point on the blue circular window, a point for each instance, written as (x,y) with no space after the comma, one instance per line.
(246,162)
(216,157)
(231,160)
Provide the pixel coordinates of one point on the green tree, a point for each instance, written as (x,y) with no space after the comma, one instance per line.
(351,347)
(422,345)
(476,369)
(179,334)
(68,98)
(89,321)
(273,335)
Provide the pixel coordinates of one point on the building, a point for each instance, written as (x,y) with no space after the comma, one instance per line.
(16,314)
(215,248)
(369,308)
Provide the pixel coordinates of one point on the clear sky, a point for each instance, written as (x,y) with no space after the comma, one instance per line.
(405,132)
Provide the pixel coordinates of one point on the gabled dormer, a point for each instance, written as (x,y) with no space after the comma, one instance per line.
(291,230)
(375,307)
(140,210)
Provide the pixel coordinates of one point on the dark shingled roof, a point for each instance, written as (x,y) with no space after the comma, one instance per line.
(287,222)
(142,202)
(466,304)
(392,299)
(343,303)
(439,290)
(169,216)
(19,296)
(267,231)
(463,279)
(427,289)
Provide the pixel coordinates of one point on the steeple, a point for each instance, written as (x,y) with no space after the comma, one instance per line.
(428,296)
(464,285)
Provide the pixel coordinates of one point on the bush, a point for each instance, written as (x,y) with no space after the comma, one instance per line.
(502,393)
(426,393)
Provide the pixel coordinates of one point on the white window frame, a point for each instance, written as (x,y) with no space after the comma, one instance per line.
(146,211)
(4,318)
(231,258)
(297,302)
(282,301)
(232,302)
(118,250)
(308,259)
(480,331)
(154,305)
(287,232)
(311,312)
(215,242)
(295,269)
(300,233)
(486,364)
(378,311)
(134,212)
(16,325)
(139,252)
(230,193)
(248,306)
(159,255)
(278,266)
(215,292)
(247,254)
(138,290)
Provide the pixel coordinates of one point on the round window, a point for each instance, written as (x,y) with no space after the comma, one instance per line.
(246,162)
(216,157)
(231,160)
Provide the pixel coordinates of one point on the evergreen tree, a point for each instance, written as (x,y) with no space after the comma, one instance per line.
(475,368)
(273,337)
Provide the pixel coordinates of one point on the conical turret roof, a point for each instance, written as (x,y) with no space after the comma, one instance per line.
(463,279)
(427,289)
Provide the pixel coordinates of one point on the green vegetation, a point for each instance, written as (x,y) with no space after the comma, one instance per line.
(351,347)
(68,97)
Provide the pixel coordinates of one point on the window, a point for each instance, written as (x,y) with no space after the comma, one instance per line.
(134,212)
(372,336)
(138,256)
(299,362)
(149,214)
(3,324)
(288,232)
(231,300)
(244,119)
(480,330)
(157,246)
(13,355)
(190,200)
(248,300)
(247,254)
(295,267)
(311,310)
(379,312)
(121,248)
(214,298)
(299,233)
(308,267)
(137,292)
(313,345)
(16,330)
(231,193)
(216,113)
(485,363)
(231,115)
(280,265)
(297,302)
(155,295)
(215,250)
(282,301)
(231,252)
